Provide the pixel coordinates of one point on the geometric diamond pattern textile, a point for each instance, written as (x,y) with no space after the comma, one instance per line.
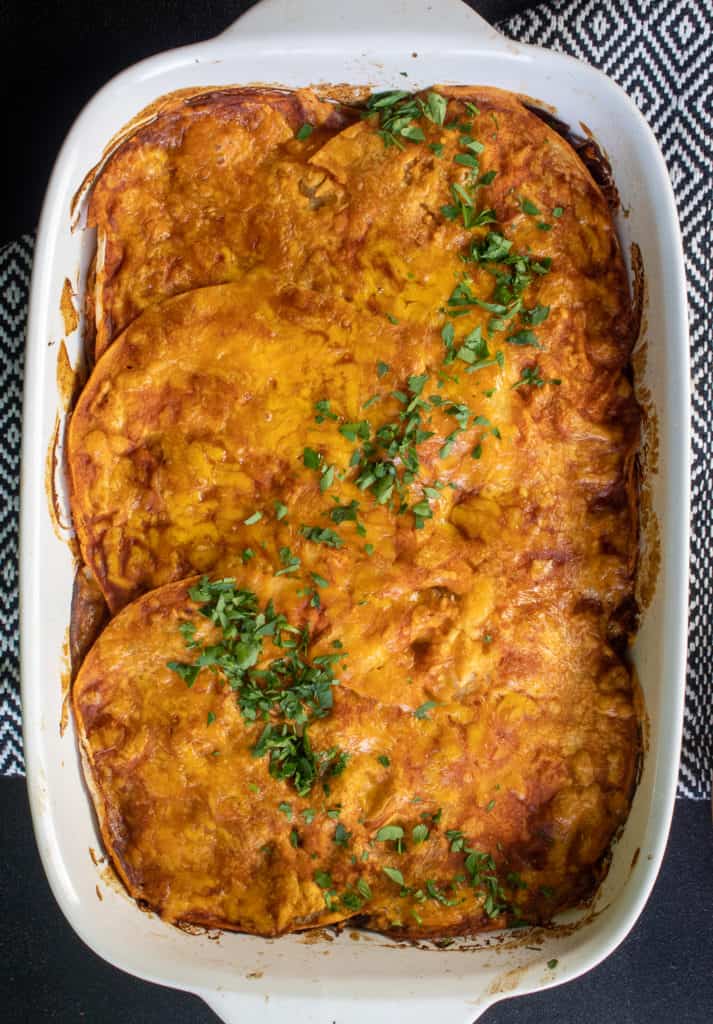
(15,265)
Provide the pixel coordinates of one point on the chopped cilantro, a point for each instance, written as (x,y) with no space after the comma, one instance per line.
(524,339)
(322,535)
(288,689)
(422,711)
(341,836)
(532,376)
(395,875)
(188,673)
(435,107)
(354,431)
(527,206)
(323,411)
(363,887)
(537,315)
(389,833)
(419,834)
(290,562)
(311,458)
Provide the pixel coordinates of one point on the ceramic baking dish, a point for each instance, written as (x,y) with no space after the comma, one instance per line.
(328,978)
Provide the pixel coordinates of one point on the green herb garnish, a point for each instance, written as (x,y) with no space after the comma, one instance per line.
(395,875)
(322,535)
(527,206)
(388,833)
(287,693)
(422,711)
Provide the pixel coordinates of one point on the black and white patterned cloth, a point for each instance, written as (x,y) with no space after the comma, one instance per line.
(15,266)
(660,52)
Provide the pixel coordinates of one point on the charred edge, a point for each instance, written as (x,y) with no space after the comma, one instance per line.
(56,460)
(89,614)
(89,332)
(587,149)
(171,105)
(637,288)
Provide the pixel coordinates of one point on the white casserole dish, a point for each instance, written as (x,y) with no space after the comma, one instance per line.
(340,979)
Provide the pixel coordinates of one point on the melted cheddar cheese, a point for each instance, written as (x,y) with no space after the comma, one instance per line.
(269,302)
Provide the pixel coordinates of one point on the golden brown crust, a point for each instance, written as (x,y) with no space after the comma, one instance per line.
(510,609)
(200,831)
(173,204)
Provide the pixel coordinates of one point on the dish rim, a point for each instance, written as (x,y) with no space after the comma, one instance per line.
(259,23)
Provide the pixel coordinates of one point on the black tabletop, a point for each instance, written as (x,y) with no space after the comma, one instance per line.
(54,57)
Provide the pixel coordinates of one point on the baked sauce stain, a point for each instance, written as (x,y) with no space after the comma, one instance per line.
(509,980)
(99,893)
(314,935)
(197,930)
(51,463)
(55,469)
(638,290)
(187,927)
(66,536)
(65,683)
(70,379)
(110,878)
(89,613)
(349,95)
(649,564)
(70,316)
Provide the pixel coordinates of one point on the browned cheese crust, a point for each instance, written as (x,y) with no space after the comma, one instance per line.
(245,275)
(181,202)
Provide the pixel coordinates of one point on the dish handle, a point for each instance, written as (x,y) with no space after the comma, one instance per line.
(319,20)
(233,1008)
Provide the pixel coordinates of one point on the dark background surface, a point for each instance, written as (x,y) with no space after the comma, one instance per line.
(54,57)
